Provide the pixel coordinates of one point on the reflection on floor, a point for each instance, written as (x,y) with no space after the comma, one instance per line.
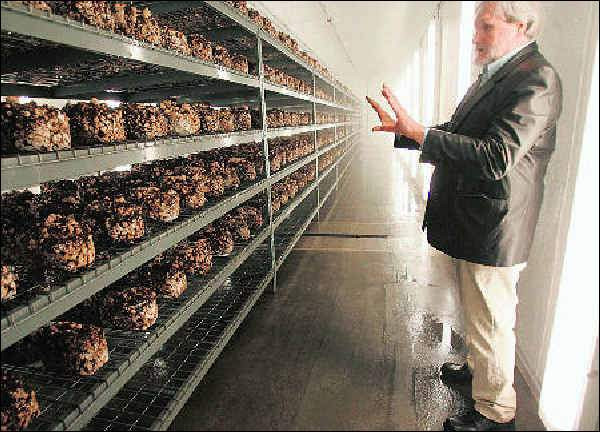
(364,315)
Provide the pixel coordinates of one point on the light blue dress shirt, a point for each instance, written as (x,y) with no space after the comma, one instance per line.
(491,68)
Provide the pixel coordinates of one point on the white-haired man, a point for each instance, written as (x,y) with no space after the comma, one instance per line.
(486,193)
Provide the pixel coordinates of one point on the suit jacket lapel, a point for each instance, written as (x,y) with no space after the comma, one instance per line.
(468,103)
(468,95)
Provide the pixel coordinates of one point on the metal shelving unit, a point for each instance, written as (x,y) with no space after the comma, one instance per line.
(80,401)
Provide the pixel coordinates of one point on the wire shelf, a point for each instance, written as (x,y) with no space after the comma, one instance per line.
(98,67)
(93,42)
(67,402)
(152,398)
(32,168)
(78,36)
(47,298)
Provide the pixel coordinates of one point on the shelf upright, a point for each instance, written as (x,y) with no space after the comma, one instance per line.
(314,116)
(265,141)
(334,96)
(336,165)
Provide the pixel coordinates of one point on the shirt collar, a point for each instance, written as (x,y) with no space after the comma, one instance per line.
(493,67)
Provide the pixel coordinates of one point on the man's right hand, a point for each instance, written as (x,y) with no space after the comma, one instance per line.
(388,124)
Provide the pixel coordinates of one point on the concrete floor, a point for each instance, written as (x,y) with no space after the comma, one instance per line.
(355,334)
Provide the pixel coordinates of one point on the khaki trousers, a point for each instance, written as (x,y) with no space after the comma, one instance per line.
(489,301)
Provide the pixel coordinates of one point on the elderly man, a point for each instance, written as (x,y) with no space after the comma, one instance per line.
(486,193)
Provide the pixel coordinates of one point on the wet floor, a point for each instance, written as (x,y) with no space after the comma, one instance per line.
(364,315)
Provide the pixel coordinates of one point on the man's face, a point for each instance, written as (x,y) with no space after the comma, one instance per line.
(494,37)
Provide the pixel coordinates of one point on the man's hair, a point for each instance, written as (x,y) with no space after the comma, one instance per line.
(527,12)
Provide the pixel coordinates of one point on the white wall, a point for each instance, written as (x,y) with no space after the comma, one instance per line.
(450,39)
(389,71)
(568,42)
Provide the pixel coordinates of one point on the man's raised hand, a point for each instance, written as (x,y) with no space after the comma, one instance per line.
(388,124)
(393,101)
(405,124)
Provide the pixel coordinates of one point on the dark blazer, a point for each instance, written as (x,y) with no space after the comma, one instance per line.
(490,160)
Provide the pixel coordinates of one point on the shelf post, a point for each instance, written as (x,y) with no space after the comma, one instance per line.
(337,177)
(314,116)
(263,114)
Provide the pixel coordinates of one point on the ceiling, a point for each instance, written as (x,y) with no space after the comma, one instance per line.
(357,41)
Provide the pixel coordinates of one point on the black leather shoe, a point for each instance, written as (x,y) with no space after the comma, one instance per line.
(473,421)
(456,373)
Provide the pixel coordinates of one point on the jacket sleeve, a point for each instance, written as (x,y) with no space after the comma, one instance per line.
(530,109)
(407,143)
(443,126)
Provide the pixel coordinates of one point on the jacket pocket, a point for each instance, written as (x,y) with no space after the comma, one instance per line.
(479,216)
